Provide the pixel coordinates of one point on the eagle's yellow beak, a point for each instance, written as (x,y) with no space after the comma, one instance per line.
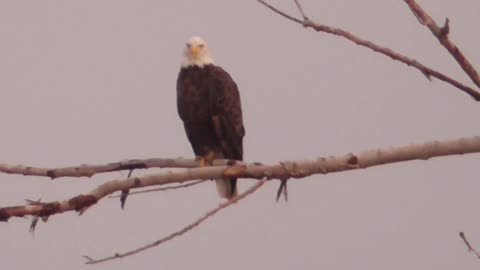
(195,51)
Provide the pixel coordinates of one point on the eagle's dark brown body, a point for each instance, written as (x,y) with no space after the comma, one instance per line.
(209,104)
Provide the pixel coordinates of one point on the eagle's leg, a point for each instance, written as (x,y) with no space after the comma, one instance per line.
(206,160)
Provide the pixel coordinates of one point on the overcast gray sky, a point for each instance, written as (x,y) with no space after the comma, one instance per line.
(94,81)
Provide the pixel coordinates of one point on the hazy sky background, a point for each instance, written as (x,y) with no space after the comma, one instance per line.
(94,82)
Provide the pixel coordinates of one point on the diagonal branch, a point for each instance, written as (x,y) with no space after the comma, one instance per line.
(469,246)
(191,226)
(428,72)
(441,33)
(300,9)
(282,170)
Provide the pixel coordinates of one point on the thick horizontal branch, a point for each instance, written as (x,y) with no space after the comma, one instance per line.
(283,170)
(428,72)
(86,170)
(441,33)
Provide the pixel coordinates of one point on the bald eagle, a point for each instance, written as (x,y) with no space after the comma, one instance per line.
(208,103)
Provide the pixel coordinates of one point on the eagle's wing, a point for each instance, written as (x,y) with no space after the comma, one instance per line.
(226,113)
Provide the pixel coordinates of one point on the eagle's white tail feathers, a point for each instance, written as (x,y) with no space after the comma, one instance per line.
(224,188)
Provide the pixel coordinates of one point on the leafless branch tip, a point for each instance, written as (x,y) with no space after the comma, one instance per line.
(469,246)
(425,70)
(300,9)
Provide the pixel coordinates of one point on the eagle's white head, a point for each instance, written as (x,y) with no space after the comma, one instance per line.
(196,53)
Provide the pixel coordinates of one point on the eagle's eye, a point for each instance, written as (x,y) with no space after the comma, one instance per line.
(201,45)
(188,45)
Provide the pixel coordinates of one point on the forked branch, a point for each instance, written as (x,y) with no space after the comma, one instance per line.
(427,71)
(441,33)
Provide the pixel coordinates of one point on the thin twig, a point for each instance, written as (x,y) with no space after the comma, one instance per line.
(441,33)
(35,218)
(162,189)
(300,9)
(282,190)
(382,50)
(210,213)
(125,192)
(469,246)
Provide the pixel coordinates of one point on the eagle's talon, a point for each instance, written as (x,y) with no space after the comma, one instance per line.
(206,160)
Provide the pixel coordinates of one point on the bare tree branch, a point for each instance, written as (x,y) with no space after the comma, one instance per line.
(283,170)
(300,9)
(441,33)
(163,188)
(191,226)
(86,170)
(428,72)
(469,246)
(125,192)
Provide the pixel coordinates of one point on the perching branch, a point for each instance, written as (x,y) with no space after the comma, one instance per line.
(428,72)
(86,170)
(441,33)
(183,230)
(283,170)
(469,246)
